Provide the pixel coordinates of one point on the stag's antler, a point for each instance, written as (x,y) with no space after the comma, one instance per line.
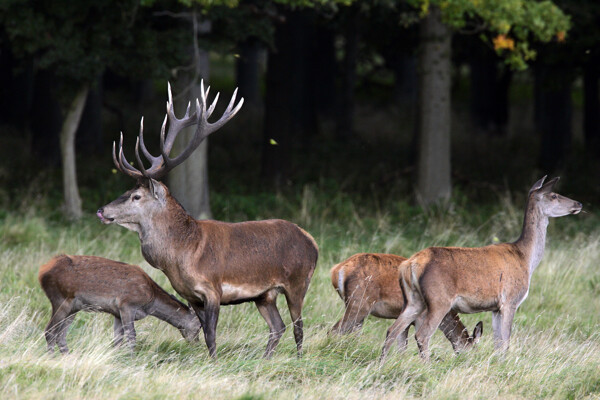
(162,164)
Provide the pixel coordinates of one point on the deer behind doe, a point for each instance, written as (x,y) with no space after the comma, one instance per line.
(368,284)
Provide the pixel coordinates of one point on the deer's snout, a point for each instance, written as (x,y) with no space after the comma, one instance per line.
(103,219)
(577,208)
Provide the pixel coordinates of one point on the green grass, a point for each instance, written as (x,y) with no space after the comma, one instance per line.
(555,347)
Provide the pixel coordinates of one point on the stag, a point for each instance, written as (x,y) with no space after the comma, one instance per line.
(88,283)
(368,285)
(212,263)
(493,278)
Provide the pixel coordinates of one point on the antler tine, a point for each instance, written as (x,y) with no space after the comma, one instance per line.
(118,162)
(147,154)
(212,106)
(162,164)
(227,115)
(125,166)
(204,127)
(114,157)
(175,126)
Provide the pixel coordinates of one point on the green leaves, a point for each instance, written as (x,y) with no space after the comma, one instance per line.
(511,25)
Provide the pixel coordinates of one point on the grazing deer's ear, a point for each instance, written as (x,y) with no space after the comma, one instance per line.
(537,185)
(478,331)
(547,188)
(157,189)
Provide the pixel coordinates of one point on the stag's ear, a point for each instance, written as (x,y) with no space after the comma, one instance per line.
(157,189)
(547,188)
(537,185)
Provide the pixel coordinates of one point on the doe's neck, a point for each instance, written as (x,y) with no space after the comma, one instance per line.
(532,241)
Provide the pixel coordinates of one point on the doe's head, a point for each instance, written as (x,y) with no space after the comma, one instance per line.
(550,203)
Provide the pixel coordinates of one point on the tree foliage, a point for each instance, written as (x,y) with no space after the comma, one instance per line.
(78,40)
(509,26)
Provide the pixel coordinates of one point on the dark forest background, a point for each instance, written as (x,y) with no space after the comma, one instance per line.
(416,101)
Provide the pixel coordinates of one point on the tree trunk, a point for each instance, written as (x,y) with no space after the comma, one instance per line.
(591,106)
(434,119)
(554,111)
(89,134)
(189,181)
(67,148)
(345,121)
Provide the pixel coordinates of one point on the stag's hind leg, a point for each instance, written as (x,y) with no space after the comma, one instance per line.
(295,302)
(267,306)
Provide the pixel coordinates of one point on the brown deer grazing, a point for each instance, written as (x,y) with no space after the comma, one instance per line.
(88,283)
(212,263)
(368,284)
(493,278)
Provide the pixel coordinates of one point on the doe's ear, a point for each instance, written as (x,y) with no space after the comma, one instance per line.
(537,185)
(157,189)
(547,188)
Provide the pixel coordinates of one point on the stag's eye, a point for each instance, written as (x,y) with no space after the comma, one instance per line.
(554,197)
(136,197)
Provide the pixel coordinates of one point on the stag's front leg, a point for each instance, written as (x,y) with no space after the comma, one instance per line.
(209,316)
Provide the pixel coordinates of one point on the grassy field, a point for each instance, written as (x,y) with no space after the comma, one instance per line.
(555,347)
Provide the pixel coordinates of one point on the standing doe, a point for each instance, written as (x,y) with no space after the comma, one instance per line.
(88,283)
(212,263)
(493,278)
(368,284)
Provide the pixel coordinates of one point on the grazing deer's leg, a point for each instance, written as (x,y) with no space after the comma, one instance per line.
(294,302)
(455,331)
(127,319)
(268,309)
(354,316)
(431,321)
(59,314)
(61,335)
(118,331)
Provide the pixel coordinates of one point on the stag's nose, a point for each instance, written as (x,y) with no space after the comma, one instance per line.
(579,205)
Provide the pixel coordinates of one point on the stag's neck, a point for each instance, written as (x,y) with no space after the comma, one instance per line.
(164,235)
(532,241)
(170,310)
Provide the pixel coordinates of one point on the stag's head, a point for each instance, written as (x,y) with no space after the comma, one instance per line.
(150,196)
(552,204)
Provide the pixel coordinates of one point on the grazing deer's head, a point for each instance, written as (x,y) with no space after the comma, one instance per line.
(549,203)
(149,195)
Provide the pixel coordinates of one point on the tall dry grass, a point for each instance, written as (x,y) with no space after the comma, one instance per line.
(555,347)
